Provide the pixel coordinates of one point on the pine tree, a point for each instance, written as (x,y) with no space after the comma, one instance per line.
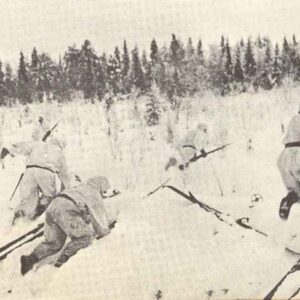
(71,61)
(125,61)
(24,93)
(222,45)
(238,73)
(285,58)
(190,51)
(87,64)
(34,59)
(176,52)
(136,73)
(100,81)
(147,69)
(153,111)
(9,83)
(125,68)
(118,69)
(250,65)
(228,61)
(276,70)
(112,74)
(200,55)
(265,77)
(2,86)
(242,44)
(60,85)
(153,52)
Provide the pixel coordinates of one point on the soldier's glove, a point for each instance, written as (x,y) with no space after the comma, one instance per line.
(17,215)
(203,153)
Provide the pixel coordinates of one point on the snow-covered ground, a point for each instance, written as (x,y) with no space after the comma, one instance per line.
(164,246)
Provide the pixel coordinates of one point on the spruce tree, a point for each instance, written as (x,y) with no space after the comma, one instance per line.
(9,83)
(200,56)
(276,70)
(228,61)
(87,63)
(125,60)
(34,59)
(71,62)
(250,65)
(222,45)
(285,58)
(125,69)
(153,51)
(189,51)
(265,78)
(238,72)
(3,93)
(136,72)
(24,94)
(100,81)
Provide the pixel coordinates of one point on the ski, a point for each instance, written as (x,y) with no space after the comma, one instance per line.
(37,235)
(22,237)
(220,215)
(294,268)
(155,190)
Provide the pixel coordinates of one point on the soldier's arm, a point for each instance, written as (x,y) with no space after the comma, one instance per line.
(63,172)
(99,218)
(22,148)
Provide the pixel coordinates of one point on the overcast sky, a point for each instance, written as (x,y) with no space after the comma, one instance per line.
(52,25)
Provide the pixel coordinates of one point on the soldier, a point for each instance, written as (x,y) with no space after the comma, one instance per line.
(191,145)
(289,166)
(79,214)
(46,171)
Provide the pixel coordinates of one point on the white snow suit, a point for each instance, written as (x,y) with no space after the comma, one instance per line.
(79,214)
(192,143)
(289,159)
(40,130)
(45,164)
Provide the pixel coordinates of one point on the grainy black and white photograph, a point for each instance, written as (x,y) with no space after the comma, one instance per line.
(149,149)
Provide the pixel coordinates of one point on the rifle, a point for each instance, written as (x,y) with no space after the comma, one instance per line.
(202,154)
(48,133)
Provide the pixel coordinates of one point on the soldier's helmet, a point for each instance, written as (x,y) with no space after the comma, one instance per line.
(101,183)
(202,127)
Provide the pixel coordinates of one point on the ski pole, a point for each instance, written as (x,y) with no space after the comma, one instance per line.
(16,187)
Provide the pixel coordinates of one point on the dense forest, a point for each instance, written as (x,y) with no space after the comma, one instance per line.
(177,70)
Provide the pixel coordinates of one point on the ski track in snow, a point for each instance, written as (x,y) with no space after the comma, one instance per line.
(163,242)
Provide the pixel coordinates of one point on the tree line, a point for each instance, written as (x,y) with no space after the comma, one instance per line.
(177,70)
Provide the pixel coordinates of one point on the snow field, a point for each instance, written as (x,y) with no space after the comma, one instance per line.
(164,242)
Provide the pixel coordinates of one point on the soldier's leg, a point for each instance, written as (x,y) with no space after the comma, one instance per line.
(29,195)
(54,241)
(47,186)
(80,233)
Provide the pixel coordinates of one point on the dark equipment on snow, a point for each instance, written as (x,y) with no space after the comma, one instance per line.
(294,268)
(286,204)
(203,154)
(48,133)
(220,215)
